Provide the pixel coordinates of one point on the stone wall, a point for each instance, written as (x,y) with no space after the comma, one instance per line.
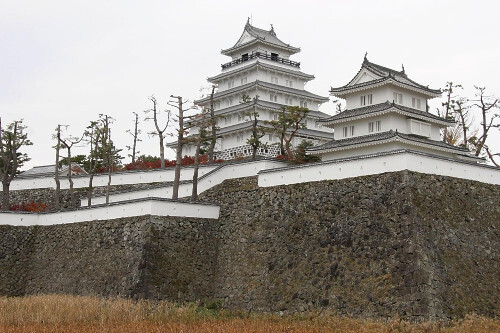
(138,257)
(48,195)
(398,244)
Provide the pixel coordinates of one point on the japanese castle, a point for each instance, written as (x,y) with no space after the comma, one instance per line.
(260,66)
(386,111)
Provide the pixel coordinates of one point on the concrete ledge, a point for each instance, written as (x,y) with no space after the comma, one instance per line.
(145,206)
(392,161)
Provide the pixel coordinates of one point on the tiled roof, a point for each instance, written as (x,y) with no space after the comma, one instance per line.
(267,36)
(373,109)
(380,137)
(262,84)
(39,171)
(385,74)
(248,124)
(47,171)
(267,105)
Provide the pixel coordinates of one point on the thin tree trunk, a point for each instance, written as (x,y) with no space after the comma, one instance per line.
(135,137)
(178,159)
(5,196)
(194,195)
(89,191)
(162,151)
(57,204)
(70,179)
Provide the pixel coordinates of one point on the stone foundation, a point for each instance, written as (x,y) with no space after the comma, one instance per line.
(400,244)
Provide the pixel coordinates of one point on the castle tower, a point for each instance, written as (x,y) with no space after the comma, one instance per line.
(260,66)
(386,111)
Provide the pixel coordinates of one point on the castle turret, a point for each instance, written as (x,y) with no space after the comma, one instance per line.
(261,66)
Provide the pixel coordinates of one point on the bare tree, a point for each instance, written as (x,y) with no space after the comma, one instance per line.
(108,150)
(487,106)
(338,106)
(461,134)
(69,143)
(202,121)
(135,135)
(11,140)
(447,104)
(182,129)
(160,132)
(57,203)
(213,128)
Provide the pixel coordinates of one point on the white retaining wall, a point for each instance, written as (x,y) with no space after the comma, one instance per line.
(152,206)
(117,178)
(217,176)
(381,163)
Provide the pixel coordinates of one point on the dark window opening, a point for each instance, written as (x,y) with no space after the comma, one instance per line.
(274,56)
(244,57)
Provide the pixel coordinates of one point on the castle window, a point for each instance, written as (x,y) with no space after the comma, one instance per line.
(415,103)
(374,126)
(420,128)
(398,98)
(289,100)
(289,83)
(366,100)
(274,79)
(230,84)
(303,104)
(274,56)
(348,131)
(244,57)
(273,97)
(243,80)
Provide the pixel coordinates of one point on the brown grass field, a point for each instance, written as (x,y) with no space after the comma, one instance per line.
(59,313)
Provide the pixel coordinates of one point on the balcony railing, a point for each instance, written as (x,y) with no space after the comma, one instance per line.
(262,56)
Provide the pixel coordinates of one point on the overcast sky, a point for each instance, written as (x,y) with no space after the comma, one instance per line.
(65,62)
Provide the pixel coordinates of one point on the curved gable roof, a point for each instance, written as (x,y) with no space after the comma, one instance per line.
(383,75)
(259,35)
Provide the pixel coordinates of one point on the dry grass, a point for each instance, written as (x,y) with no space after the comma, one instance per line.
(55,313)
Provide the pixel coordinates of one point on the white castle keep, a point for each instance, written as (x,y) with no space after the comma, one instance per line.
(260,66)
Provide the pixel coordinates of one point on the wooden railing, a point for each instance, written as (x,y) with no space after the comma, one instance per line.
(262,56)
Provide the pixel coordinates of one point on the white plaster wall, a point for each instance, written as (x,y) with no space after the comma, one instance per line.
(383,94)
(435,132)
(138,208)
(118,178)
(340,169)
(224,172)
(353,152)
(361,126)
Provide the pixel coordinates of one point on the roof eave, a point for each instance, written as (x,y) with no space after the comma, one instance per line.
(229,51)
(390,109)
(345,91)
(389,140)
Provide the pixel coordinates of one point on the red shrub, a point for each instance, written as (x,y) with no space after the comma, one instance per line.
(186,160)
(28,207)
